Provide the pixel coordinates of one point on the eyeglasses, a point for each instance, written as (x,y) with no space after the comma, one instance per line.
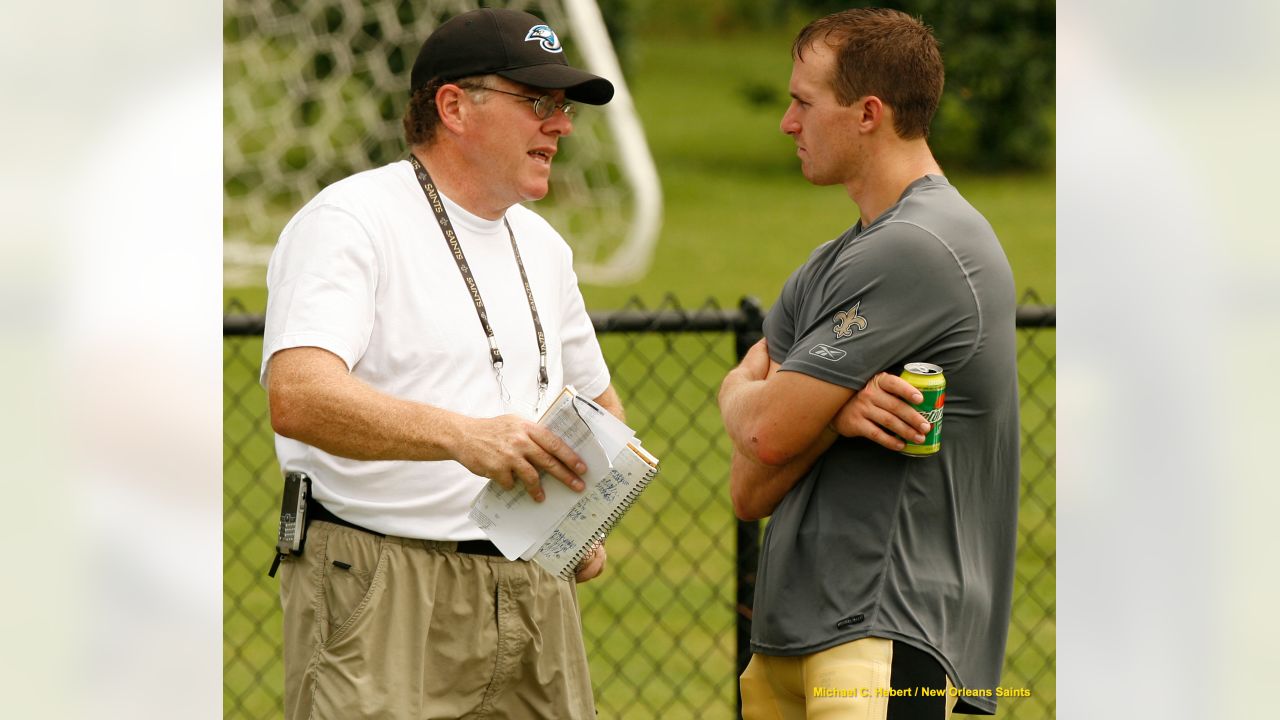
(544,107)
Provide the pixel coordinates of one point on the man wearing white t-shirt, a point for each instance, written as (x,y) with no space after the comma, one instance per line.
(419,320)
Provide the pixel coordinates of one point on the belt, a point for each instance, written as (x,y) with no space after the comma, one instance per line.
(316,511)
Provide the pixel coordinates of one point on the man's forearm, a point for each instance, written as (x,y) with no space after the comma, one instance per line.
(345,417)
(737,396)
(316,401)
(773,417)
(756,488)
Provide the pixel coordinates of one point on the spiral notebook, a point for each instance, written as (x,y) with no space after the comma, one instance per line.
(593,517)
(561,531)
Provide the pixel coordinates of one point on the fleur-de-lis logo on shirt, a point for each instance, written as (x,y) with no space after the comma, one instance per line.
(847,320)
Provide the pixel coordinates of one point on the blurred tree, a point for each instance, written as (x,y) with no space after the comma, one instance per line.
(617,16)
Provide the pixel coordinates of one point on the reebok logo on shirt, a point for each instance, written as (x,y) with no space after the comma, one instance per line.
(826,352)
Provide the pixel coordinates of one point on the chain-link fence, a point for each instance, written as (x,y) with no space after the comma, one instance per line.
(662,626)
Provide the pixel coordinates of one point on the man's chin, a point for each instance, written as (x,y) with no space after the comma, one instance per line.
(534,192)
(818,180)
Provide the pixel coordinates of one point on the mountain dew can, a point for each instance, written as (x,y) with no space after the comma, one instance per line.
(928,379)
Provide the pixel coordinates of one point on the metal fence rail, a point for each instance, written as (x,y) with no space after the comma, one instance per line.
(666,627)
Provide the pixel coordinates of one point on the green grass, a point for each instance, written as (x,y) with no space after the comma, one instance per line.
(738,219)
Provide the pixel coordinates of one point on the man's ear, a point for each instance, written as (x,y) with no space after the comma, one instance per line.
(872,113)
(452,107)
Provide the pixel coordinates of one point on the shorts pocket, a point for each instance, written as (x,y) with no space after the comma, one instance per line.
(352,578)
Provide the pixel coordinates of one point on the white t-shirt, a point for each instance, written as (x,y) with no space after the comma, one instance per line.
(364,271)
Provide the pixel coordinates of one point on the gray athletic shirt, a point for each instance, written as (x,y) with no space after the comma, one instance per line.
(870,542)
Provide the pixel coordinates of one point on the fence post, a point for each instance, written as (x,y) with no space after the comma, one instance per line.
(745,334)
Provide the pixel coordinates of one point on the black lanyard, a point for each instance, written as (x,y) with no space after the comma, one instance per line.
(455,248)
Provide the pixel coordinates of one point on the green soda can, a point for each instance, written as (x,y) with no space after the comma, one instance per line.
(928,379)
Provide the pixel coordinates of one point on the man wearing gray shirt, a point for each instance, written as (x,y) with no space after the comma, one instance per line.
(885,581)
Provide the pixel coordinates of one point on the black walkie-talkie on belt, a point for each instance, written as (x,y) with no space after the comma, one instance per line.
(293,518)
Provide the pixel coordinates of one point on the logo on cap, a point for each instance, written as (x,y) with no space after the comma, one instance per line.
(546,36)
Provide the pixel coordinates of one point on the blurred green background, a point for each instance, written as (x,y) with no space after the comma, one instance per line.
(709,81)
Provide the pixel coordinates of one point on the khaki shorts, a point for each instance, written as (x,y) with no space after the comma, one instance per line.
(849,682)
(391,628)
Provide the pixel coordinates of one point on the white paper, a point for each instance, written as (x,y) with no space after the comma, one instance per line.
(513,521)
(612,434)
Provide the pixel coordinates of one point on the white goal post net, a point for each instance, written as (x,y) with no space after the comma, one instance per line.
(314,91)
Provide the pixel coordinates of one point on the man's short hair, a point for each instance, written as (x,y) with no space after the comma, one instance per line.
(885,53)
(422,118)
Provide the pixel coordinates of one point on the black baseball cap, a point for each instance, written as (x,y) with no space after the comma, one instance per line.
(513,44)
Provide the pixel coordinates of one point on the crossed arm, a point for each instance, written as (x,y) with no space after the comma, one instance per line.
(781,423)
